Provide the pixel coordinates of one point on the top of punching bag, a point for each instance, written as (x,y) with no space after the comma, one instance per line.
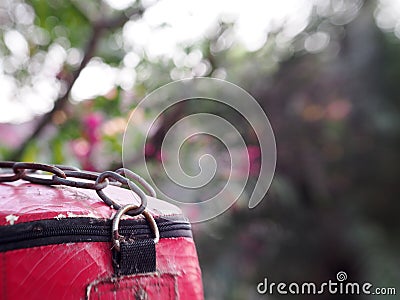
(23,201)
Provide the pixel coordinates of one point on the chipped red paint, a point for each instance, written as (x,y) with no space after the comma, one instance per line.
(30,202)
(77,270)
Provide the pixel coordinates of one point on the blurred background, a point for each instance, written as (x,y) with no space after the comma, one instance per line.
(325,72)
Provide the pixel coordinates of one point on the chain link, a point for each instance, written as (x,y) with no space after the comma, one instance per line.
(61,175)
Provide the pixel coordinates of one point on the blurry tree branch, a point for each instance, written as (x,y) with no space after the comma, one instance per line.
(98,28)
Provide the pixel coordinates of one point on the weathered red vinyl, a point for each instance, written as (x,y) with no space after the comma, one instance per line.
(84,270)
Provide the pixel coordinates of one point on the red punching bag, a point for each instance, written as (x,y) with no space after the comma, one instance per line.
(80,235)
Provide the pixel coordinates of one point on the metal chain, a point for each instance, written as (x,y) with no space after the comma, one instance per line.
(61,175)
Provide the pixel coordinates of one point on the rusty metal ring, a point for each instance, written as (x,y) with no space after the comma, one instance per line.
(40,167)
(18,174)
(81,184)
(116,237)
(133,176)
(125,182)
(7,164)
(67,168)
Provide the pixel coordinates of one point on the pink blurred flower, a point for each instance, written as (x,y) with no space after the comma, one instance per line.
(151,152)
(92,125)
(254,153)
(81,148)
(84,147)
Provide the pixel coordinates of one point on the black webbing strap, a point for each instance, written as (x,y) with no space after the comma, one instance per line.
(137,256)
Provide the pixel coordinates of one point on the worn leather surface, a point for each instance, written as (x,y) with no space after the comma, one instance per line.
(22,202)
(84,270)
(71,271)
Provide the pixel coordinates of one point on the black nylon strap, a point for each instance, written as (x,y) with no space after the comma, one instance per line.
(137,256)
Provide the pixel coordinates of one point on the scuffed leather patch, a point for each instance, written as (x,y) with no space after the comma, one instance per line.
(142,286)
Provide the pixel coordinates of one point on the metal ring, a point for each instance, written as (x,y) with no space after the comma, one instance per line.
(40,167)
(18,174)
(127,183)
(67,168)
(81,184)
(116,237)
(132,175)
(7,164)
